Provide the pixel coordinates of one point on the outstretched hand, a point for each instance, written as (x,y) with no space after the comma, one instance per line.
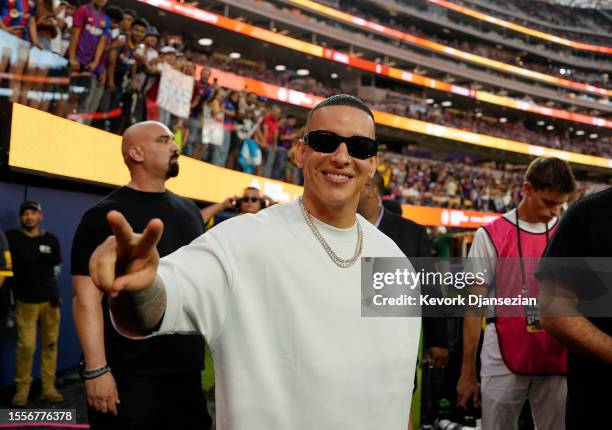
(126,261)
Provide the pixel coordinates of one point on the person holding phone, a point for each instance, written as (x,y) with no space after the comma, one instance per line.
(43,26)
(251,202)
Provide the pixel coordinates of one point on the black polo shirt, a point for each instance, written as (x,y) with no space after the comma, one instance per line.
(34,261)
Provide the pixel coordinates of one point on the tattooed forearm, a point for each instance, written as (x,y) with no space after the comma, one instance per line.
(140,311)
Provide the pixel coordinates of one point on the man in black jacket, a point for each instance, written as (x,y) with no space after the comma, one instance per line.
(412,239)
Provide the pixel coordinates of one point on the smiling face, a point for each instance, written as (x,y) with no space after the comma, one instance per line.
(336,179)
(138,33)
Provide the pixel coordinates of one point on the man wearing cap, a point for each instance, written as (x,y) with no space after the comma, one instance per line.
(36,262)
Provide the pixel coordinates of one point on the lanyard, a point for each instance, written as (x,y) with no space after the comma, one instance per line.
(520,249)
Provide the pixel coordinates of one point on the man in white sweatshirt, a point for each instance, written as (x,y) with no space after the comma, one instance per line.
(278,295)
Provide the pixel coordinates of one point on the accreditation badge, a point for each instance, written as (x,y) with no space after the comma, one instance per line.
(532,314)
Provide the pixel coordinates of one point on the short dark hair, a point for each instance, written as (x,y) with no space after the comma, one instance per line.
(114,13)
(130,12)
(551,173)
(341,100)
(379,182)
(140,21)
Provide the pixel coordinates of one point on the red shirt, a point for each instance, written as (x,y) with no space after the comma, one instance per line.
(272,125)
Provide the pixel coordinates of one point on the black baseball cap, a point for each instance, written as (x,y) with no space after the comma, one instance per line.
(30,204)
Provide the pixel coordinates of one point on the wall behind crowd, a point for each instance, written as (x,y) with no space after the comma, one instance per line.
(62,212)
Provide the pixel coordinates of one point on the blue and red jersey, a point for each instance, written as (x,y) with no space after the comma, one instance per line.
(93,26)
(15,13)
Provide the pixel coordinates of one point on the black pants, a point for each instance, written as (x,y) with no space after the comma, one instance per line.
(148,402)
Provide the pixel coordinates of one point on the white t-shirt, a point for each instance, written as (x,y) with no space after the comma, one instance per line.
(492,363)
(284,325)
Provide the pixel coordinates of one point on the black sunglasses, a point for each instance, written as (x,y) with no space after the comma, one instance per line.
(249,199)
(360,147)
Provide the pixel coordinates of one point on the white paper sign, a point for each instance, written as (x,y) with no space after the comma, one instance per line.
(175,91)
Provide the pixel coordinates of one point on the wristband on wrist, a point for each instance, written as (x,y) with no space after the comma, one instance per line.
(94,373)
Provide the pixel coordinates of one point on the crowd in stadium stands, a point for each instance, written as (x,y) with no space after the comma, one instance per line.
(415,106)
(480,48)
(512,58)
(546,11)
(553,14)
(238,129)
(494,187)
(567,73)
(260,139)
(258,70)
(497,53)
(63,21)
(457,185)
(38,21)
(418,108)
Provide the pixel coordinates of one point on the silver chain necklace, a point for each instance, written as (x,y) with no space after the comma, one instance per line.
(335,258)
